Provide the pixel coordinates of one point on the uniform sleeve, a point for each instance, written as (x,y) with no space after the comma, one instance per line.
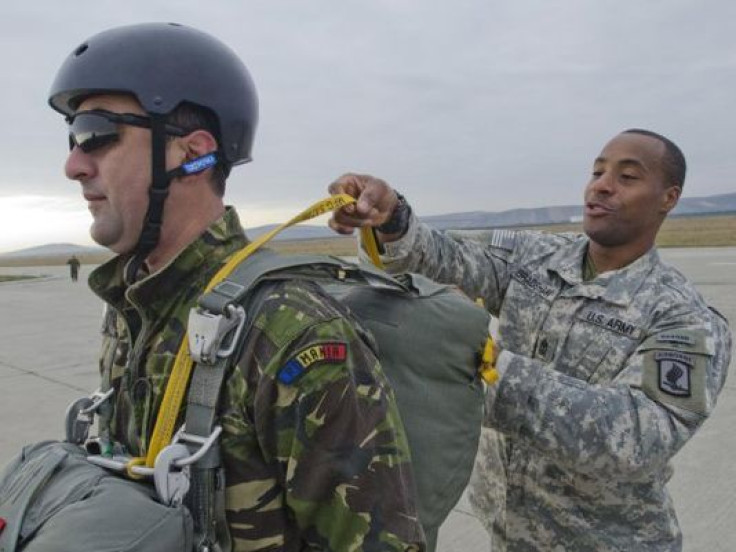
(478,269)
(329,420)
(629,428)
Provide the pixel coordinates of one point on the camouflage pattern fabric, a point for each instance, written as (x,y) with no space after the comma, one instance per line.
(602,382)
(314,451)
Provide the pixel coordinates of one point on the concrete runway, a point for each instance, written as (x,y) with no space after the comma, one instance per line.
(49,336)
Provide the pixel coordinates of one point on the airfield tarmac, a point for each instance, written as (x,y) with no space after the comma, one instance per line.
(49,337)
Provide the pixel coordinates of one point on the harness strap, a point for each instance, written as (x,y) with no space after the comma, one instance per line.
(157,194)
(205,498)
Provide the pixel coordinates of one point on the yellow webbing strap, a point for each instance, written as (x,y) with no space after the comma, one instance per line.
(487,369)
(176,388)
(370,244)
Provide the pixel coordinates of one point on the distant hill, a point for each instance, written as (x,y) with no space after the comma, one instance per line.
(55,250)
(54,254)
(710,205)
(724,203)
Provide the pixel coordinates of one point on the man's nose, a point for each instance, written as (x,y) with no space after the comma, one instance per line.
(602,183)
(78,165)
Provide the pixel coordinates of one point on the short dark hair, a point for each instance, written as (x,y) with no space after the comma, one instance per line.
(194,117)
(674,165)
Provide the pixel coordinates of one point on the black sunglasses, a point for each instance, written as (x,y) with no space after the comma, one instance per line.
(91,130)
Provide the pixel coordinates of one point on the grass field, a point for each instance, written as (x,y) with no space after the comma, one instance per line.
(693,231)
(14,278)
(55,260)
(341,246)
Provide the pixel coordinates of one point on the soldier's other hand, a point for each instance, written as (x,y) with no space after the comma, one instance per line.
(375,205)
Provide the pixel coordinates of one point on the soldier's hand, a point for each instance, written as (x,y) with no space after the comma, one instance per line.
(375,205)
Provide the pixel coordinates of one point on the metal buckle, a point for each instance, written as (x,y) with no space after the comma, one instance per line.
(80,415)
(171,484)
(208,333)
(171,471)
(205,444)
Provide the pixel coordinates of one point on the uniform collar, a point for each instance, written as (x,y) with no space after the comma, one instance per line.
(615,286)
(198,261)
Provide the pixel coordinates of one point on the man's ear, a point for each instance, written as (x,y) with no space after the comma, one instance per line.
(671,197)
(198,143)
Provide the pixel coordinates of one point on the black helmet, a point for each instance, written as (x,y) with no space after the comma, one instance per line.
(163,65)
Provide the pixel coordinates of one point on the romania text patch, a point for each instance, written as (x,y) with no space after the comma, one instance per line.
(332,352)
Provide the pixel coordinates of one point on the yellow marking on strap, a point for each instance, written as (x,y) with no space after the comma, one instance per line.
(176,388)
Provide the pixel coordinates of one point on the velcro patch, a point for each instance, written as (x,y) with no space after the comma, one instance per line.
(332,353)
(679,338)
(505,239)
(674,372)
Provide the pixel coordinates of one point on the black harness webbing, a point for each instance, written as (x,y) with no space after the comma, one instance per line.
(157,194)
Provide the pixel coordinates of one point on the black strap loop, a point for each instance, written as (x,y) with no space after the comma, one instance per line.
(157,194)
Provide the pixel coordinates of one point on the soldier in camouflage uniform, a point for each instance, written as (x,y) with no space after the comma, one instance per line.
(318,463)
(609,360)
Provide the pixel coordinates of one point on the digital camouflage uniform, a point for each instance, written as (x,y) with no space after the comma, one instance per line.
(601,383)
(319,464)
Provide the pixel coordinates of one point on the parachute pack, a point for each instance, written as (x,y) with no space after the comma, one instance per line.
(430,340)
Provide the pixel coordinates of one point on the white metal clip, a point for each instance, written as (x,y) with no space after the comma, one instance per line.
(214,335)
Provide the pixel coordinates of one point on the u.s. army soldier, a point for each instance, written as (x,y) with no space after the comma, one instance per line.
(609,360)
(314,453)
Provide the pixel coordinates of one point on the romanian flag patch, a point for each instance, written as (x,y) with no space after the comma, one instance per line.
(331,352)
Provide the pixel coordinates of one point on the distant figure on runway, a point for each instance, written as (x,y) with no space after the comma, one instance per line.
(74,264)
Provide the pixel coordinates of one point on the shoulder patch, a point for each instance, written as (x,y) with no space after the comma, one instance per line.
(675,365)
(674,372)
(332,352)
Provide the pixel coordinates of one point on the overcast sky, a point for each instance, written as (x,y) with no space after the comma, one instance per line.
(462,105)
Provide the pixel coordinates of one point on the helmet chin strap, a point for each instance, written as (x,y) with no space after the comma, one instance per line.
(159,191)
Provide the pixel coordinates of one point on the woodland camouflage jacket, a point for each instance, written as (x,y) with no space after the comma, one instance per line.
(316,462)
